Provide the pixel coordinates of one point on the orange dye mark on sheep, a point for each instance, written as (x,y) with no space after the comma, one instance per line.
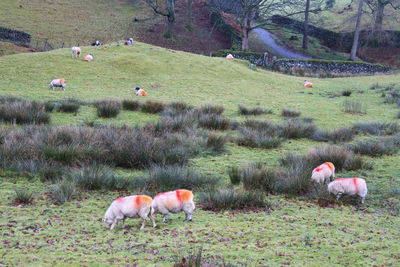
(185,195)
(143,93)
(318,169)
(330,165)
(355,184)
(178,196)
(62,81)
(137,200)
(119,200)
(340,179)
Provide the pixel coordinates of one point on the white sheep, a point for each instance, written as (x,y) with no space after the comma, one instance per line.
(57,83)
(88,57)
(76,52)
(140,92)
(174,202)
(323,172)
(307,84)
(229,56)
(130,206)
(348,186)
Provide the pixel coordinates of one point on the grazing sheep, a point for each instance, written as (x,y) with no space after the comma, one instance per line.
(76,52)
(307,84)
(348,186)
(140,92)
(88,57)
(57,83)
(229,56)
(323,172)
(174,201)
(129,42)
(97,43)
(130,206)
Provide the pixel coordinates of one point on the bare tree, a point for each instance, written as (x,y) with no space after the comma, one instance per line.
(167,10)
(305,31)
(378,7)
(356,32)
(189,15)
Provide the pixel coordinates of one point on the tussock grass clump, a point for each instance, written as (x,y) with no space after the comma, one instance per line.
(375,147)
(226,199)
(214,121)
(377,128)
(129,104)
(211,109)
(180,106)
(151,106)
(290,113)
(63,192)
(255,176)
(258,138)
(108,108)
(295,129)
(216,143)
(69,106)
(23,112)
(175,120)
(392,96)
(234,175)
(346,93)
(354,107)
(335,154)
(22,196)
(243,110)
(49,106)
(51,173)
(336,136)
(167,178)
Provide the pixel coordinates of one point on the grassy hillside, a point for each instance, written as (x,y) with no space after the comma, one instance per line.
(294,231)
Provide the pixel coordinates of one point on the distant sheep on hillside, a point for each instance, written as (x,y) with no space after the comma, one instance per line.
(76,52)
(57,83)
(97,43)
(88,57)
(229,56)
(140,92)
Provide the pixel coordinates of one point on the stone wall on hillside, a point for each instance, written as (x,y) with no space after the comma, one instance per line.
(13,36)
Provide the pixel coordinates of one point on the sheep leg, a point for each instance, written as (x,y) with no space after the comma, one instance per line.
(338,196)
(123,222)
(190,217)
(143,223)
(362,200)
(113,224)
(152,220)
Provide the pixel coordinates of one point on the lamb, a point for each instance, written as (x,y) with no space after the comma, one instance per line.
(130,206)
(174,201)
(76,52)
(88,57)
(57,83)
(307,84)
(140,92)
(349,186)
(229,56)
(323,172)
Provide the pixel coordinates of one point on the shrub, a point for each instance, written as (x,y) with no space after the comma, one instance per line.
(151,106)
(336,136)
(108,108)
(354,107)
(229,199)
(63,192)
(129,104)
(22,196)
(356,163)
(257,177)
(94,177)
(180,106)
(295,129)
(211,109)
(376,147)
(235,175)
(335,154)
(214,122)
(167,178)
(346,92)
(69,106)
(175,120)
(252,111)
(258,138)
(377,128)
(51,173)
(49,106)
(23,112)
(290,113)
(216,142)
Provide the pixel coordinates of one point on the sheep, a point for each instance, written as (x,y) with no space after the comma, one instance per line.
(76,52)
(323,172)
(57,83)
(307,84)
(174,201)
(88,57)
(140,92)
(129,42)
(97,43)
(348,186)
(229,56)
(130,206)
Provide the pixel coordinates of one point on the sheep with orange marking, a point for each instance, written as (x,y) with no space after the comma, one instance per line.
(323,172)
(348,186)
(89,57)
(57,83)
(140,92)
(76,52)
(129,207)
(307,84)
(229,56)
(174,202)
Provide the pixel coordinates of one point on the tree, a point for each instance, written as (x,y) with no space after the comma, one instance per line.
(167,10)
(189,15)
(356,32)
(305,31)
(378,7)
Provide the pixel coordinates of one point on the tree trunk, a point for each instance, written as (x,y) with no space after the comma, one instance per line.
(379,20)
(170,30)
(357,32)
(245,38)
(170,5)
(189,16)
(305,32)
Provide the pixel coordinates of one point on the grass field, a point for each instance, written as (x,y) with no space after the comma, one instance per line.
(293,231)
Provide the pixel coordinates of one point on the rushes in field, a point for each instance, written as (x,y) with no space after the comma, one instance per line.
(354,107)
(129,104)
(108,108)
(22,196)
